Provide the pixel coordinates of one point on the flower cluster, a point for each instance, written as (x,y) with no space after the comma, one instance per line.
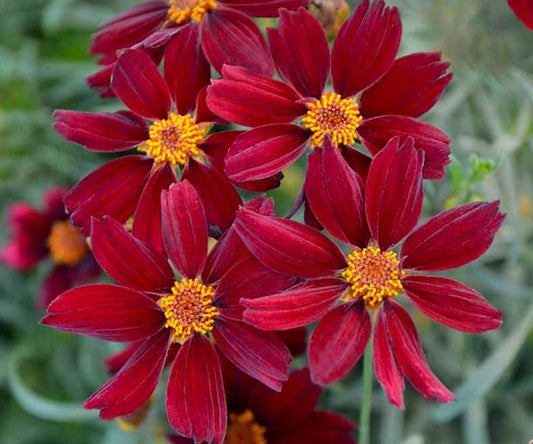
(210,282)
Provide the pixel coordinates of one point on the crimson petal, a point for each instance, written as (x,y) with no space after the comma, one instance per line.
(262,8)
(357,161)
(523,9)
(216,146)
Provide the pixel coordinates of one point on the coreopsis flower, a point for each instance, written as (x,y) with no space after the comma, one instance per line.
(375,97)
(523,9)
(342,290)
(259,415)
(160,125)
(160,314)
(47,235)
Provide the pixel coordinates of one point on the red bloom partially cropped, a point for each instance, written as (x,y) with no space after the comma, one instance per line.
(174,138)
(159,314)
(46,235)
(258,415)
(523,9)
(340,290)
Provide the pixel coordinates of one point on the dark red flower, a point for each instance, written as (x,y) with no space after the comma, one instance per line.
(340,290)
(374,97)
(523,9)
(46,234)
(258,415)
(158,314)
(132,184)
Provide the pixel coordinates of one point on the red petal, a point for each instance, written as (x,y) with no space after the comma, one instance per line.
(289,247)
(58,281)
(452,303)
(387,372)
(133,385)
(376,132)
(335,194)
(107,132)
(196,404)
(101,80)
(409,354)
(126,259)
(301,51)
(137,82)
(357,161)
(262,8)
(216,146)
(338,342)
(452,238)
(184,228)
(231,37)
(295,339)
(411,87)
(394,193)
(113,189)
(185,64)
(147,220)
(248,99)
(106,312)
(365,47)
(117,360)
(262,355)
(264,151)
(523,10)
(53,203)
(296,307)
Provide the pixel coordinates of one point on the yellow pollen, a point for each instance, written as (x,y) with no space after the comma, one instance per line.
(66,244)
(173,140)
(373,276)
(335,116)
(242,429)
(189,309)
(181,11)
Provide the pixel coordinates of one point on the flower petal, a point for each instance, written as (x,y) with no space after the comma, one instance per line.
(196,404)
(126,259)
(139,85)
(365,47)
(301,51)
(296,307)
(105,311)
(452,238)
(262,8)
(264,151)
(394,193)
(231,37)
(289,247)
(59,280)
(358,162)
(216,146)
(117,360)
(523,9)
(338,342)
(409,354)
(452,303)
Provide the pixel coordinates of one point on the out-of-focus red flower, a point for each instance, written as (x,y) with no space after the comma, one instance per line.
(46,234)
(523,9)
(161,314)
(258,415)
(174,138)
(340,290)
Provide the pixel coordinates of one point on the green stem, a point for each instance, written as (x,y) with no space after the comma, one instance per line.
(366,403)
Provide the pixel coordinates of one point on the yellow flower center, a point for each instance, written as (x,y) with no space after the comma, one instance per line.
(181,11)
(373,276)
(242,429)
(335,116)
(173,140)
(66,244)
(189,309)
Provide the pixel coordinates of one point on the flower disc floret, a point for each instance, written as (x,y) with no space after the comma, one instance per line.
(66,244)
(373,276)
(335,116)
(173,140)
(243,429)
(189,309)
(181,11)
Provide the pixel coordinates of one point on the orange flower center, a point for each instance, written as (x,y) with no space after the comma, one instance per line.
(373,276)
(181,11)
(335,116)
(189,309)
(173,140)
(242,429)
(66,244)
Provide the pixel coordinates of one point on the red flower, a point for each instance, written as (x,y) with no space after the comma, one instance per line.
(340,290)
(375,97)
(174,138)
(224,29)
(523,9)
(44,234)
(258,415)
(191,313)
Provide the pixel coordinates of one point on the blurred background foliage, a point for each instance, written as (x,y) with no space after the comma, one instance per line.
(487,110)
